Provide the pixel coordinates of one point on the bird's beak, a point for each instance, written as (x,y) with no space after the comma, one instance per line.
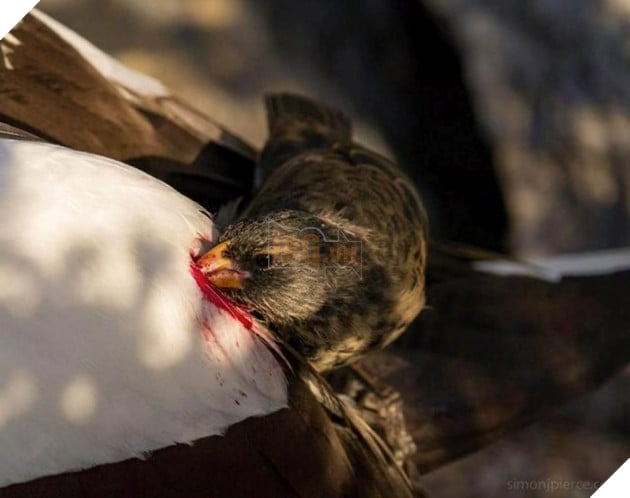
(220,270)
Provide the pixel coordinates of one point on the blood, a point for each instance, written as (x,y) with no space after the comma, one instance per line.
(214,295)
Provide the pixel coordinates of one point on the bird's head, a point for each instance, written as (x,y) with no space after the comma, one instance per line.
(278,266)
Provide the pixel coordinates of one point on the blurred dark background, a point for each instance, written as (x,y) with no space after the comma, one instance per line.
(513,118)
(501,111)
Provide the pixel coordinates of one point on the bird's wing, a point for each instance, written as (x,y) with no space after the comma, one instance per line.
(368,452)
(108,348)
(501,349)
(312,165)
(60,87)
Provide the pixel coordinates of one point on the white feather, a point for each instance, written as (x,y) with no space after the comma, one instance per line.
(553,268)
(102,347)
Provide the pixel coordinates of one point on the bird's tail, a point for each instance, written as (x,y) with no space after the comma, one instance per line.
(286,109)
(298,124)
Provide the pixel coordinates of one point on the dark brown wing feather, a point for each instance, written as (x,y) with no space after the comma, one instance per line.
(500,351)
(56,94)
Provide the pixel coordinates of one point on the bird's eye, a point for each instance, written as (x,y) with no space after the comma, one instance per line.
(264,260)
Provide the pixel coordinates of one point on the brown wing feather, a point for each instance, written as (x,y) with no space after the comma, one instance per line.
(56,94)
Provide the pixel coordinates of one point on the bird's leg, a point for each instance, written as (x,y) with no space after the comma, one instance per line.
(380,405)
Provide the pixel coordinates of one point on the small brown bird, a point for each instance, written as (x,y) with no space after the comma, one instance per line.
(331,251)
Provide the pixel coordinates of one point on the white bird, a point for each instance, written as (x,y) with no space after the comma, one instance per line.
(109,347)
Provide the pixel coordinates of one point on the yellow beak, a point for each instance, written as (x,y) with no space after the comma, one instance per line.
(219,270)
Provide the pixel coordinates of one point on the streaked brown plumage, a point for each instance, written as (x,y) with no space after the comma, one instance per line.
(316,177)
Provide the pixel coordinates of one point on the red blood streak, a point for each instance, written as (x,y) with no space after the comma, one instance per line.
(214,295)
